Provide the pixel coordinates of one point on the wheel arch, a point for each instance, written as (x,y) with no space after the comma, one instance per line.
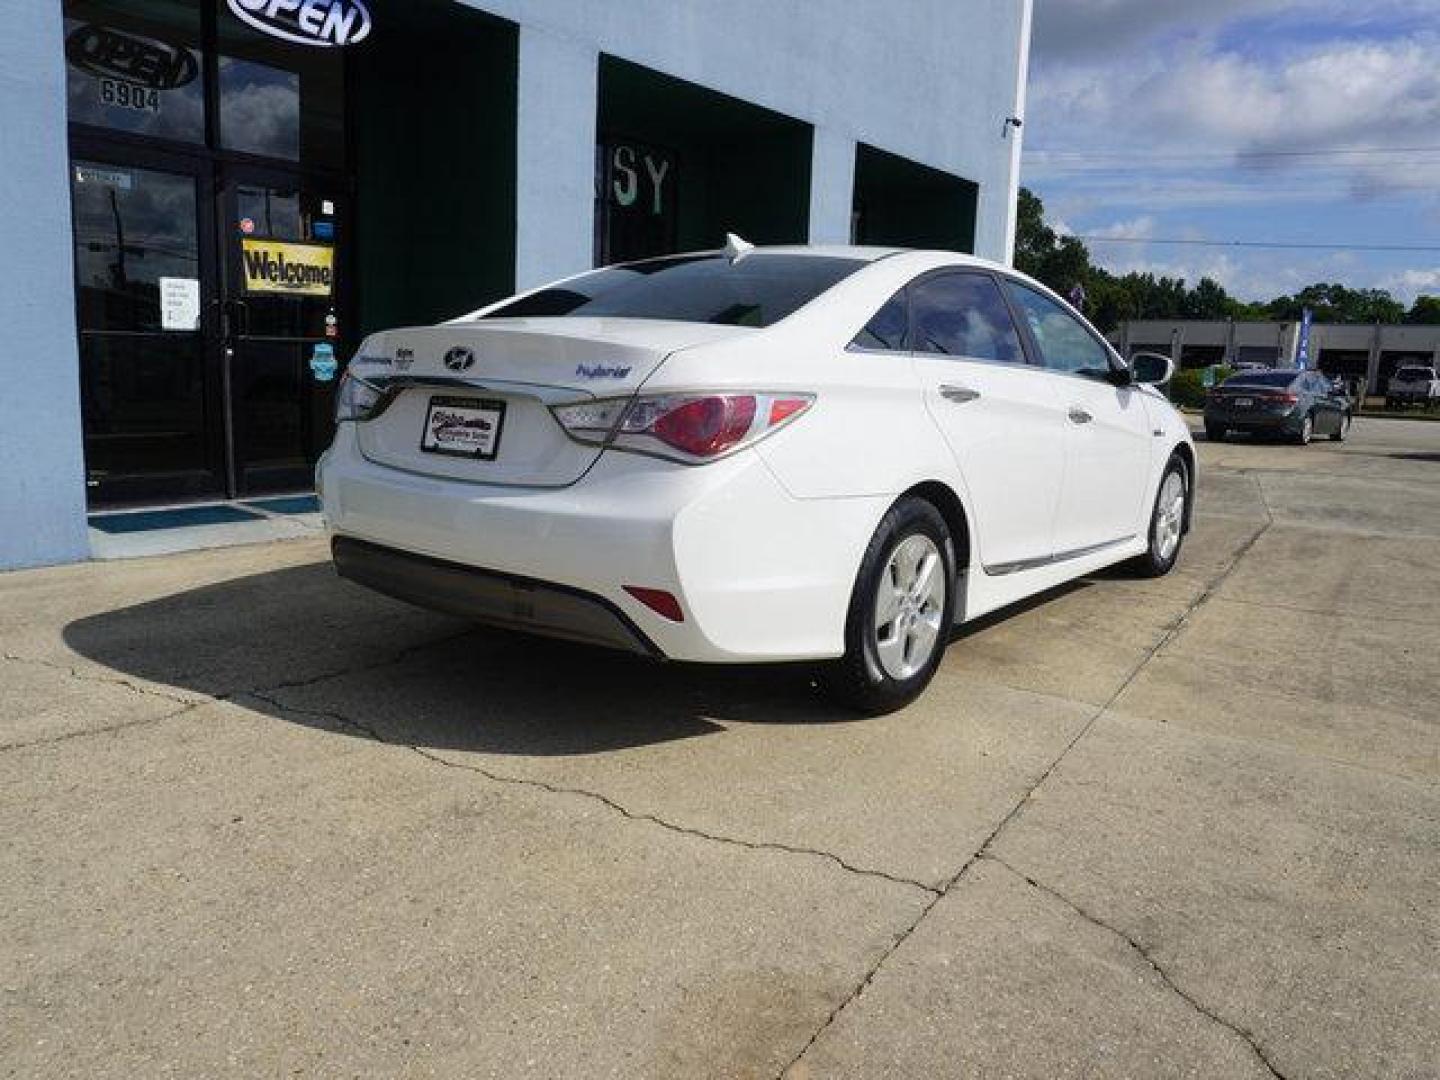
(942,496)
(1186,453)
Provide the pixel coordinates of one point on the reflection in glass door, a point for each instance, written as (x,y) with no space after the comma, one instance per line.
(149,396)
(282,288)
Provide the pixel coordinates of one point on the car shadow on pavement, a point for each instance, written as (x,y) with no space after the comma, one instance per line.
(304,646)
(1416,456)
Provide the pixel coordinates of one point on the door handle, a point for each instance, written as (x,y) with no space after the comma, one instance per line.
(958,394)
(1079,415)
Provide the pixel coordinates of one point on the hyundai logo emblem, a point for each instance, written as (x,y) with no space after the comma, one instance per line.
(459,359)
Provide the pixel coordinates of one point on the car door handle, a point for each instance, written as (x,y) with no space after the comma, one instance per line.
(1079,415)
(958,394)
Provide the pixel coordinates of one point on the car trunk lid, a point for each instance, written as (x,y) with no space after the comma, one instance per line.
(471,400)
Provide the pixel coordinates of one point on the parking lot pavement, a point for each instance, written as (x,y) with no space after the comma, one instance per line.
(259,821)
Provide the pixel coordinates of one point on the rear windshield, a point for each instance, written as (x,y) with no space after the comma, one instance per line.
(754,290)
(1414,373)
(1262,378)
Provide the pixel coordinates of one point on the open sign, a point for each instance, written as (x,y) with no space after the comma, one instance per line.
(328,24)
(107,53)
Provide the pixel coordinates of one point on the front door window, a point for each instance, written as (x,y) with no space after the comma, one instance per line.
(1065,345)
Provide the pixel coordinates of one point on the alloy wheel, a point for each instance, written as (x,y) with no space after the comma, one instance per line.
(1169,515)
(909,606)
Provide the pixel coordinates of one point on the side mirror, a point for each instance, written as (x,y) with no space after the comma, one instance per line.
(1153,369)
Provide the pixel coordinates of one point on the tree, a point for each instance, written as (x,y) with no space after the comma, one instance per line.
(1062,262)
(1425,311)
(1334,303)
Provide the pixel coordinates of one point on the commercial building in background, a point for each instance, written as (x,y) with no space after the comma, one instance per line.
(209,202)
(1366,355)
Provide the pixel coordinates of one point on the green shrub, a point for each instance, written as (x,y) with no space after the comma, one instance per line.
(1187,389)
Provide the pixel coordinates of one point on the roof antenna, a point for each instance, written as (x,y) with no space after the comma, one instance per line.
(737,248)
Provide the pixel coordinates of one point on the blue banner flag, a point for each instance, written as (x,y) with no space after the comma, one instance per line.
(1302,352)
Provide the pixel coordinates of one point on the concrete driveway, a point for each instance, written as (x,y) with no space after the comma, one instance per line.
(255,821)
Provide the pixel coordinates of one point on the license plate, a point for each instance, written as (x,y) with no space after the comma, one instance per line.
(1244,402)
(463,427)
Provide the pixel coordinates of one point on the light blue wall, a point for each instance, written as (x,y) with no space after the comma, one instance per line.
(42,472)
(930,80)
(832,186)
(554,156)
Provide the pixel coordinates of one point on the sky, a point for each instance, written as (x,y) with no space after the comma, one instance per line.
(1311,122)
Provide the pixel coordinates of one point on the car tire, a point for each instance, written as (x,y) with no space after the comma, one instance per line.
(1215,432)
(1342,430)
(887,664)
(1167,522)
(1307,430)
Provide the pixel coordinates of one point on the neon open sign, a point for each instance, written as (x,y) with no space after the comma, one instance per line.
(328,24)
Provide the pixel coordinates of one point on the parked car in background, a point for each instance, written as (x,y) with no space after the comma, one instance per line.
(1294,404)
(757,454)
(1412,385)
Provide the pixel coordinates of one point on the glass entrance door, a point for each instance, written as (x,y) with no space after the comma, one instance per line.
(282,285)
(150,388)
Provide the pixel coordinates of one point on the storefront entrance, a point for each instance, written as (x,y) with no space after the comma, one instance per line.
(211,223)
(196,374)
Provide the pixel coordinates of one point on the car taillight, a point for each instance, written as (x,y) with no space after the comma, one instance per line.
(357,399)
(1283,399)
(689,428)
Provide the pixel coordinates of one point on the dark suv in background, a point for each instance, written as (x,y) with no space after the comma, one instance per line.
(1294,404)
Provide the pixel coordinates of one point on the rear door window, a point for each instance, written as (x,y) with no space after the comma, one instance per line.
(963,314)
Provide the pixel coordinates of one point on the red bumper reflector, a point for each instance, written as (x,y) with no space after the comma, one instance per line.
(658,601)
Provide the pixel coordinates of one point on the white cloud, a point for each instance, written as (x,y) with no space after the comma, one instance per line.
(1409,284)
(1367,95)
(1136,228)
(1178,119)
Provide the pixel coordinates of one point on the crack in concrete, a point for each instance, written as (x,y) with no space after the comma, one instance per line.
(1247,1036)
(1358,616)
(189,703)
(124,725)
(81,676)
(982,851)
(598,797)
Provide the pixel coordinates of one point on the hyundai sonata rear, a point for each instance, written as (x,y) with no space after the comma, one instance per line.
(516,468)
(754,455)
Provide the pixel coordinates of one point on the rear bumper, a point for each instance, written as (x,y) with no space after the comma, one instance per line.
(1256,420)
(760,575)
(489,597)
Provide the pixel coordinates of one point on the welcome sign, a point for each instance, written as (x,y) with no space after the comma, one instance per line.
(274,266)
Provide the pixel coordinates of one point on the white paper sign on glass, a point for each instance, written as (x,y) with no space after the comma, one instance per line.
(179,303)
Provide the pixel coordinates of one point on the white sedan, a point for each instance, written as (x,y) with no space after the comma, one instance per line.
(756,454)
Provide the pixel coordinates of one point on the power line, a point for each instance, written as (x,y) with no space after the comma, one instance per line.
(1294,245)
(1231,154)
(1136,164)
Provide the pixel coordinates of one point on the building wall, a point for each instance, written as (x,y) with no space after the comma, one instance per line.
(42,471)
(930,80)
